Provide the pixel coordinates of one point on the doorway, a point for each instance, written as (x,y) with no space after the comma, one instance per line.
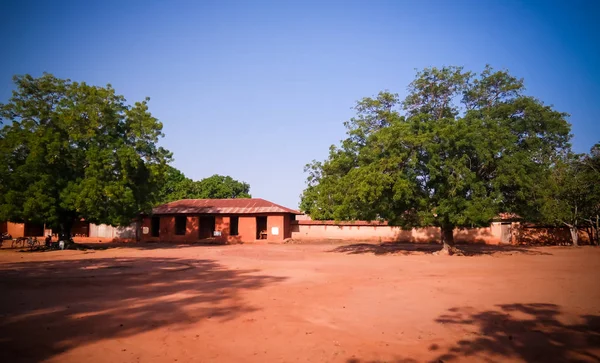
(207,227)
(155,224)
(234,225)
(506,233)
(261,227)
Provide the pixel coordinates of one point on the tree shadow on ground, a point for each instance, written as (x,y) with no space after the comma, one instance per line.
(148,245)
(429,248)
(396,360)
(529,332)
(51,307)
(100,246)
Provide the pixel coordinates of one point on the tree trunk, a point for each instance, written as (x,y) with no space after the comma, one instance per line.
(448,239)
(590,233)
(597,230)
(574,235)
(65,230)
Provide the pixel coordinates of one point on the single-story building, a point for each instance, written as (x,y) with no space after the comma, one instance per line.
(81,231)
(23,229)
(218,220)
(29,229)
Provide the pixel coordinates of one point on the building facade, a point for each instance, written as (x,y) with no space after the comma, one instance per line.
(81,231)
(250,220)
(218,221)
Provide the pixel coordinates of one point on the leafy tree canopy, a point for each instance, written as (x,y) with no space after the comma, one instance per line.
(572,194)
(458,150)
(70,150)
(178,186)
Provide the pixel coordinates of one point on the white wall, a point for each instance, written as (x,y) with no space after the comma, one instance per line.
(108,231)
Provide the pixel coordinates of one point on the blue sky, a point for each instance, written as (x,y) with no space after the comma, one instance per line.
(257,89)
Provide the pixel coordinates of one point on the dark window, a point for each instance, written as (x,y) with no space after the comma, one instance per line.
(33,229)
(155,226)
(180,225)
(233,226)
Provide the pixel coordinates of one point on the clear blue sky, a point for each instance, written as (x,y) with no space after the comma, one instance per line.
(256,90)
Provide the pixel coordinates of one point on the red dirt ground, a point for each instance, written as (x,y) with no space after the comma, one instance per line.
(300,303)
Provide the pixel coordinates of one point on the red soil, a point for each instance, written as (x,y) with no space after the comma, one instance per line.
(308,303)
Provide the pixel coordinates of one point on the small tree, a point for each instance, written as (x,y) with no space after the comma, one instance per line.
(70,150)
(591,166)
(461,148)
(572,195)
(568,197)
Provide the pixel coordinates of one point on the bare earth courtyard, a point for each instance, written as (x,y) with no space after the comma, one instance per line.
(300,303)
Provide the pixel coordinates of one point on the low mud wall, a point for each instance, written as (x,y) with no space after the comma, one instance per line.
(325,230)
(497,233)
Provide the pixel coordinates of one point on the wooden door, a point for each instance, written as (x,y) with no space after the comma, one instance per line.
(207,227)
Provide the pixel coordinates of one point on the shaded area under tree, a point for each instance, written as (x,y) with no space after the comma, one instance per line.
(535,332)
(430,248)
(529,332)
(85,301)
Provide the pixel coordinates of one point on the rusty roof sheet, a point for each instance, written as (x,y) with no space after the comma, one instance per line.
(507,216)
(222,206)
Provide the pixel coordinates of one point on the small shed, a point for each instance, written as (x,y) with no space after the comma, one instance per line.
(218,220)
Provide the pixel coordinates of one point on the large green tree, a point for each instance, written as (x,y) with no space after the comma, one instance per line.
(459,149)
(70,150)
(178,186)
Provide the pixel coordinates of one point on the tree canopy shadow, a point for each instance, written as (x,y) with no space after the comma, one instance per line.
(150,245)
(54,306)
(429,248)
(396,360)
(100,246)
(530,332)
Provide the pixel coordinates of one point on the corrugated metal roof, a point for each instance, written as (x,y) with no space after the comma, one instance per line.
(222,206)
(507,216)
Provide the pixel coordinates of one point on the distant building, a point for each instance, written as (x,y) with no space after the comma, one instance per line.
(218,220)
(82,231)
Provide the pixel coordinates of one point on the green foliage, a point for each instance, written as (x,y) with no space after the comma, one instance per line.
(70,150)
(219,186)
(177,186)
(567,191)
(572,194)
(460,148)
